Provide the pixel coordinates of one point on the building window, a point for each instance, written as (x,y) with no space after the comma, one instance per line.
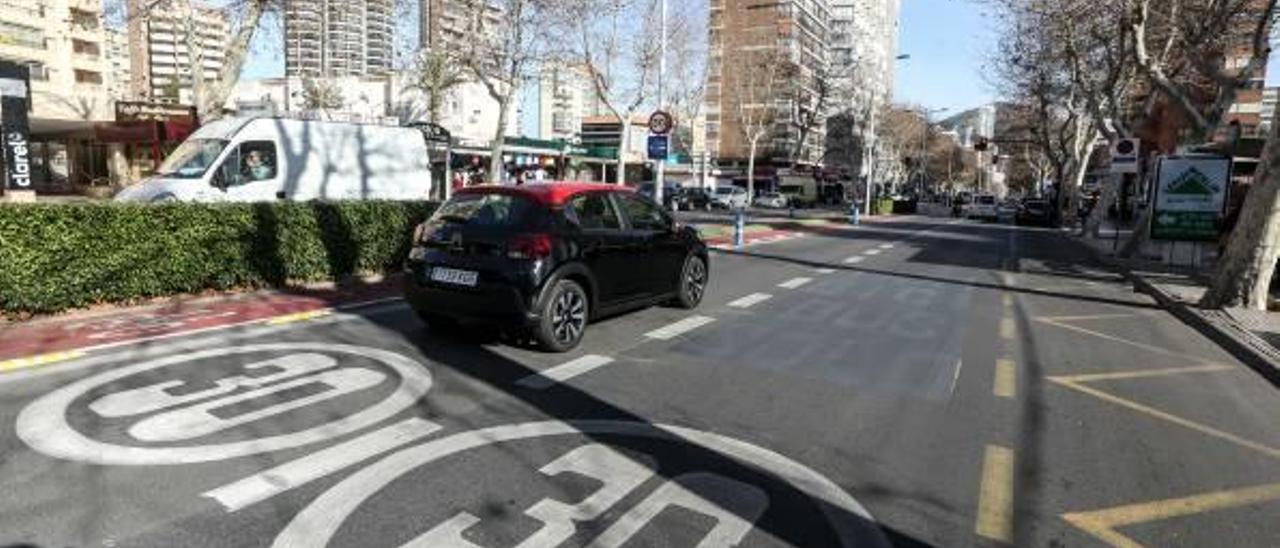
(84,20)
(22,35)
(88,77)
(39,72)
(85,47)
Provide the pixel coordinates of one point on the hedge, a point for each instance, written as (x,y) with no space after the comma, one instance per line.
(55,257)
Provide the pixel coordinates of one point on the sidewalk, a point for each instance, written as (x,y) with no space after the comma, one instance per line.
(1252,336)
(33,343)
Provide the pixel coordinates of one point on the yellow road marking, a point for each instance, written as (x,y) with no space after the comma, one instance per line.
(1007,300)
(1006,379)
(299,317)
(1007,329)
(1090,377)
(995,499)
(1147,347)
(37,361)
(1156,413)
(1103,523)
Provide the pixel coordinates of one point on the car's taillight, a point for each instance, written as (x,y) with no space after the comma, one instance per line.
(530,246)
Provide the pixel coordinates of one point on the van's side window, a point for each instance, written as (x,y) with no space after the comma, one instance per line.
(251,161)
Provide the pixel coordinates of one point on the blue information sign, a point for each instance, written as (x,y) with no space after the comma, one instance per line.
(659,146)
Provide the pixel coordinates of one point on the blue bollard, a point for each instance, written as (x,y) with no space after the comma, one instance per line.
(854,213)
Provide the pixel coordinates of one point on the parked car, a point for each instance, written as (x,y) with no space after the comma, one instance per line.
(265,159)
(547,259)
(669,193)
(729,197)
(693,198)
(772,200)
(1034,212)
(983,207)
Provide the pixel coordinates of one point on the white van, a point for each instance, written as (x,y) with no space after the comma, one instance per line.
(262,159)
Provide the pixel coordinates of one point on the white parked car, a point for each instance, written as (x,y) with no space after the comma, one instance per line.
(984,207)
(729,197)
(771,200)
(264,159)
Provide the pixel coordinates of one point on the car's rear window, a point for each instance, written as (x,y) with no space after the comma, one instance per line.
(986,200)
(485,210)
(724,190)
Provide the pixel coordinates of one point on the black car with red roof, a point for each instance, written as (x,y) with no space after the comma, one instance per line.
(550,258)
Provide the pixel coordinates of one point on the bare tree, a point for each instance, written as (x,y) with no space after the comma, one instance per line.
(754,81)
(321,96)
(503,48)
(621,62)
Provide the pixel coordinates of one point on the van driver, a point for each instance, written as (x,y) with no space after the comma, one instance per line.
(256,167)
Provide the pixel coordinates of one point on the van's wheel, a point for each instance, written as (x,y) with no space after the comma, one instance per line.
(693,283)
(564,317)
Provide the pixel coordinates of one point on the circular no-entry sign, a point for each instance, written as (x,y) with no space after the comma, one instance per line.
(661,122)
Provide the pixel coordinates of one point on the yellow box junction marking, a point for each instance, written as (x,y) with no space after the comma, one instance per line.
(1103,523)
(1006,382)
(299,317)
(37,361)
(995,499)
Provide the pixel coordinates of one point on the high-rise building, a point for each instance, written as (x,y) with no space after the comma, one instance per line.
(62,41)
(565,98)
(864,45)
(1270,96)
(117,64)
(795,33)
(166,43)
(333,38)
(446,23)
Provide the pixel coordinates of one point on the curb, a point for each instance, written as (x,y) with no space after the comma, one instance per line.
(1216,325)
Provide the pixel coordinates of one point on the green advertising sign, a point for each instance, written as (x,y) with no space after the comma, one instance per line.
(1190,195)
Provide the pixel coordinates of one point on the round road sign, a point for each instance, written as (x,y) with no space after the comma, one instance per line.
(661,122)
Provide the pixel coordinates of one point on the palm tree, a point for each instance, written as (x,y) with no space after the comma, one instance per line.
(320,95)
(434,74)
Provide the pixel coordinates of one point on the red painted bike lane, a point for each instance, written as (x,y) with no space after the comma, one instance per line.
(22,344)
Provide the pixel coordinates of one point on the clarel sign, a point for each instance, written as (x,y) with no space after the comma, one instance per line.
(15,99)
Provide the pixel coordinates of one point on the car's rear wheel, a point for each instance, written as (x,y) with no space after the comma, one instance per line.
(693,282)
(564,318)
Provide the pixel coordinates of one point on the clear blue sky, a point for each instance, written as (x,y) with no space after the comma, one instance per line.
(948,41)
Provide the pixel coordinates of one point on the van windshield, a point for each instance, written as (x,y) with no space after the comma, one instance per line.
(191,159)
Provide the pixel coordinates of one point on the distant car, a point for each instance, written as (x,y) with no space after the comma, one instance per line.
(772,200)
(691,198)
(669,193)
(983,207)
(1034,212)
(729,197)
(547,259)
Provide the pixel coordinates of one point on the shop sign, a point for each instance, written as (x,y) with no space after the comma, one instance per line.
(15,129)
(141,111)
(1190,194)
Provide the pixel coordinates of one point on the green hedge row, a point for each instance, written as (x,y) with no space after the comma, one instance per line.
(58,257)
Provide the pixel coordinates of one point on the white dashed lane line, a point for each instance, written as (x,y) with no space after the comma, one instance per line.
(825,271)
(681,327)
(886,246)
(854,260)
(794,283)
(872,252)
(751,300)
(563,372)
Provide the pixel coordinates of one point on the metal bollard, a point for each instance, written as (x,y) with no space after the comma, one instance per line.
(854,213)
(738,229)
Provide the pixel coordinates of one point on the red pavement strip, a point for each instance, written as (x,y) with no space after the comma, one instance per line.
(25,345)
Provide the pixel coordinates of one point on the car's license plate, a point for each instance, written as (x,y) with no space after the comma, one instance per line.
(454,276)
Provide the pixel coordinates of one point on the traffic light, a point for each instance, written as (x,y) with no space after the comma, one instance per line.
(981,144)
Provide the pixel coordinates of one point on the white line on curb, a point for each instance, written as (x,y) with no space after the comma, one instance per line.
(751,300)
(681,327)
(795,282)
(563,372)
(269,483)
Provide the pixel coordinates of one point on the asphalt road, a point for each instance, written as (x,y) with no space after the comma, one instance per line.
(921,382)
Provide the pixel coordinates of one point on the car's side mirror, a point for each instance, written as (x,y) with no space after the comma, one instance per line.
(219,180)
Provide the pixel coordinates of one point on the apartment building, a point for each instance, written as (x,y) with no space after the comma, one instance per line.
(864,46)
(63,44)
(119,75)
(447,23)
(337,38)
(166,44)
(565,98)
(795,33)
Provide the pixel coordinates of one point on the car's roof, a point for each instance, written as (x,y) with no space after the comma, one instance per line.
(551,193)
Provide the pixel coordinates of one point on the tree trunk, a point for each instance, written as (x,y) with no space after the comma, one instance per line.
(624,143)
(496,165)
(237,52)
(1243,276)
(751,172)
(1141,234)
(1093,225)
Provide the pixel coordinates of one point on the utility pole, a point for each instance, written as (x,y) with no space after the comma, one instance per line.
(662,75)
